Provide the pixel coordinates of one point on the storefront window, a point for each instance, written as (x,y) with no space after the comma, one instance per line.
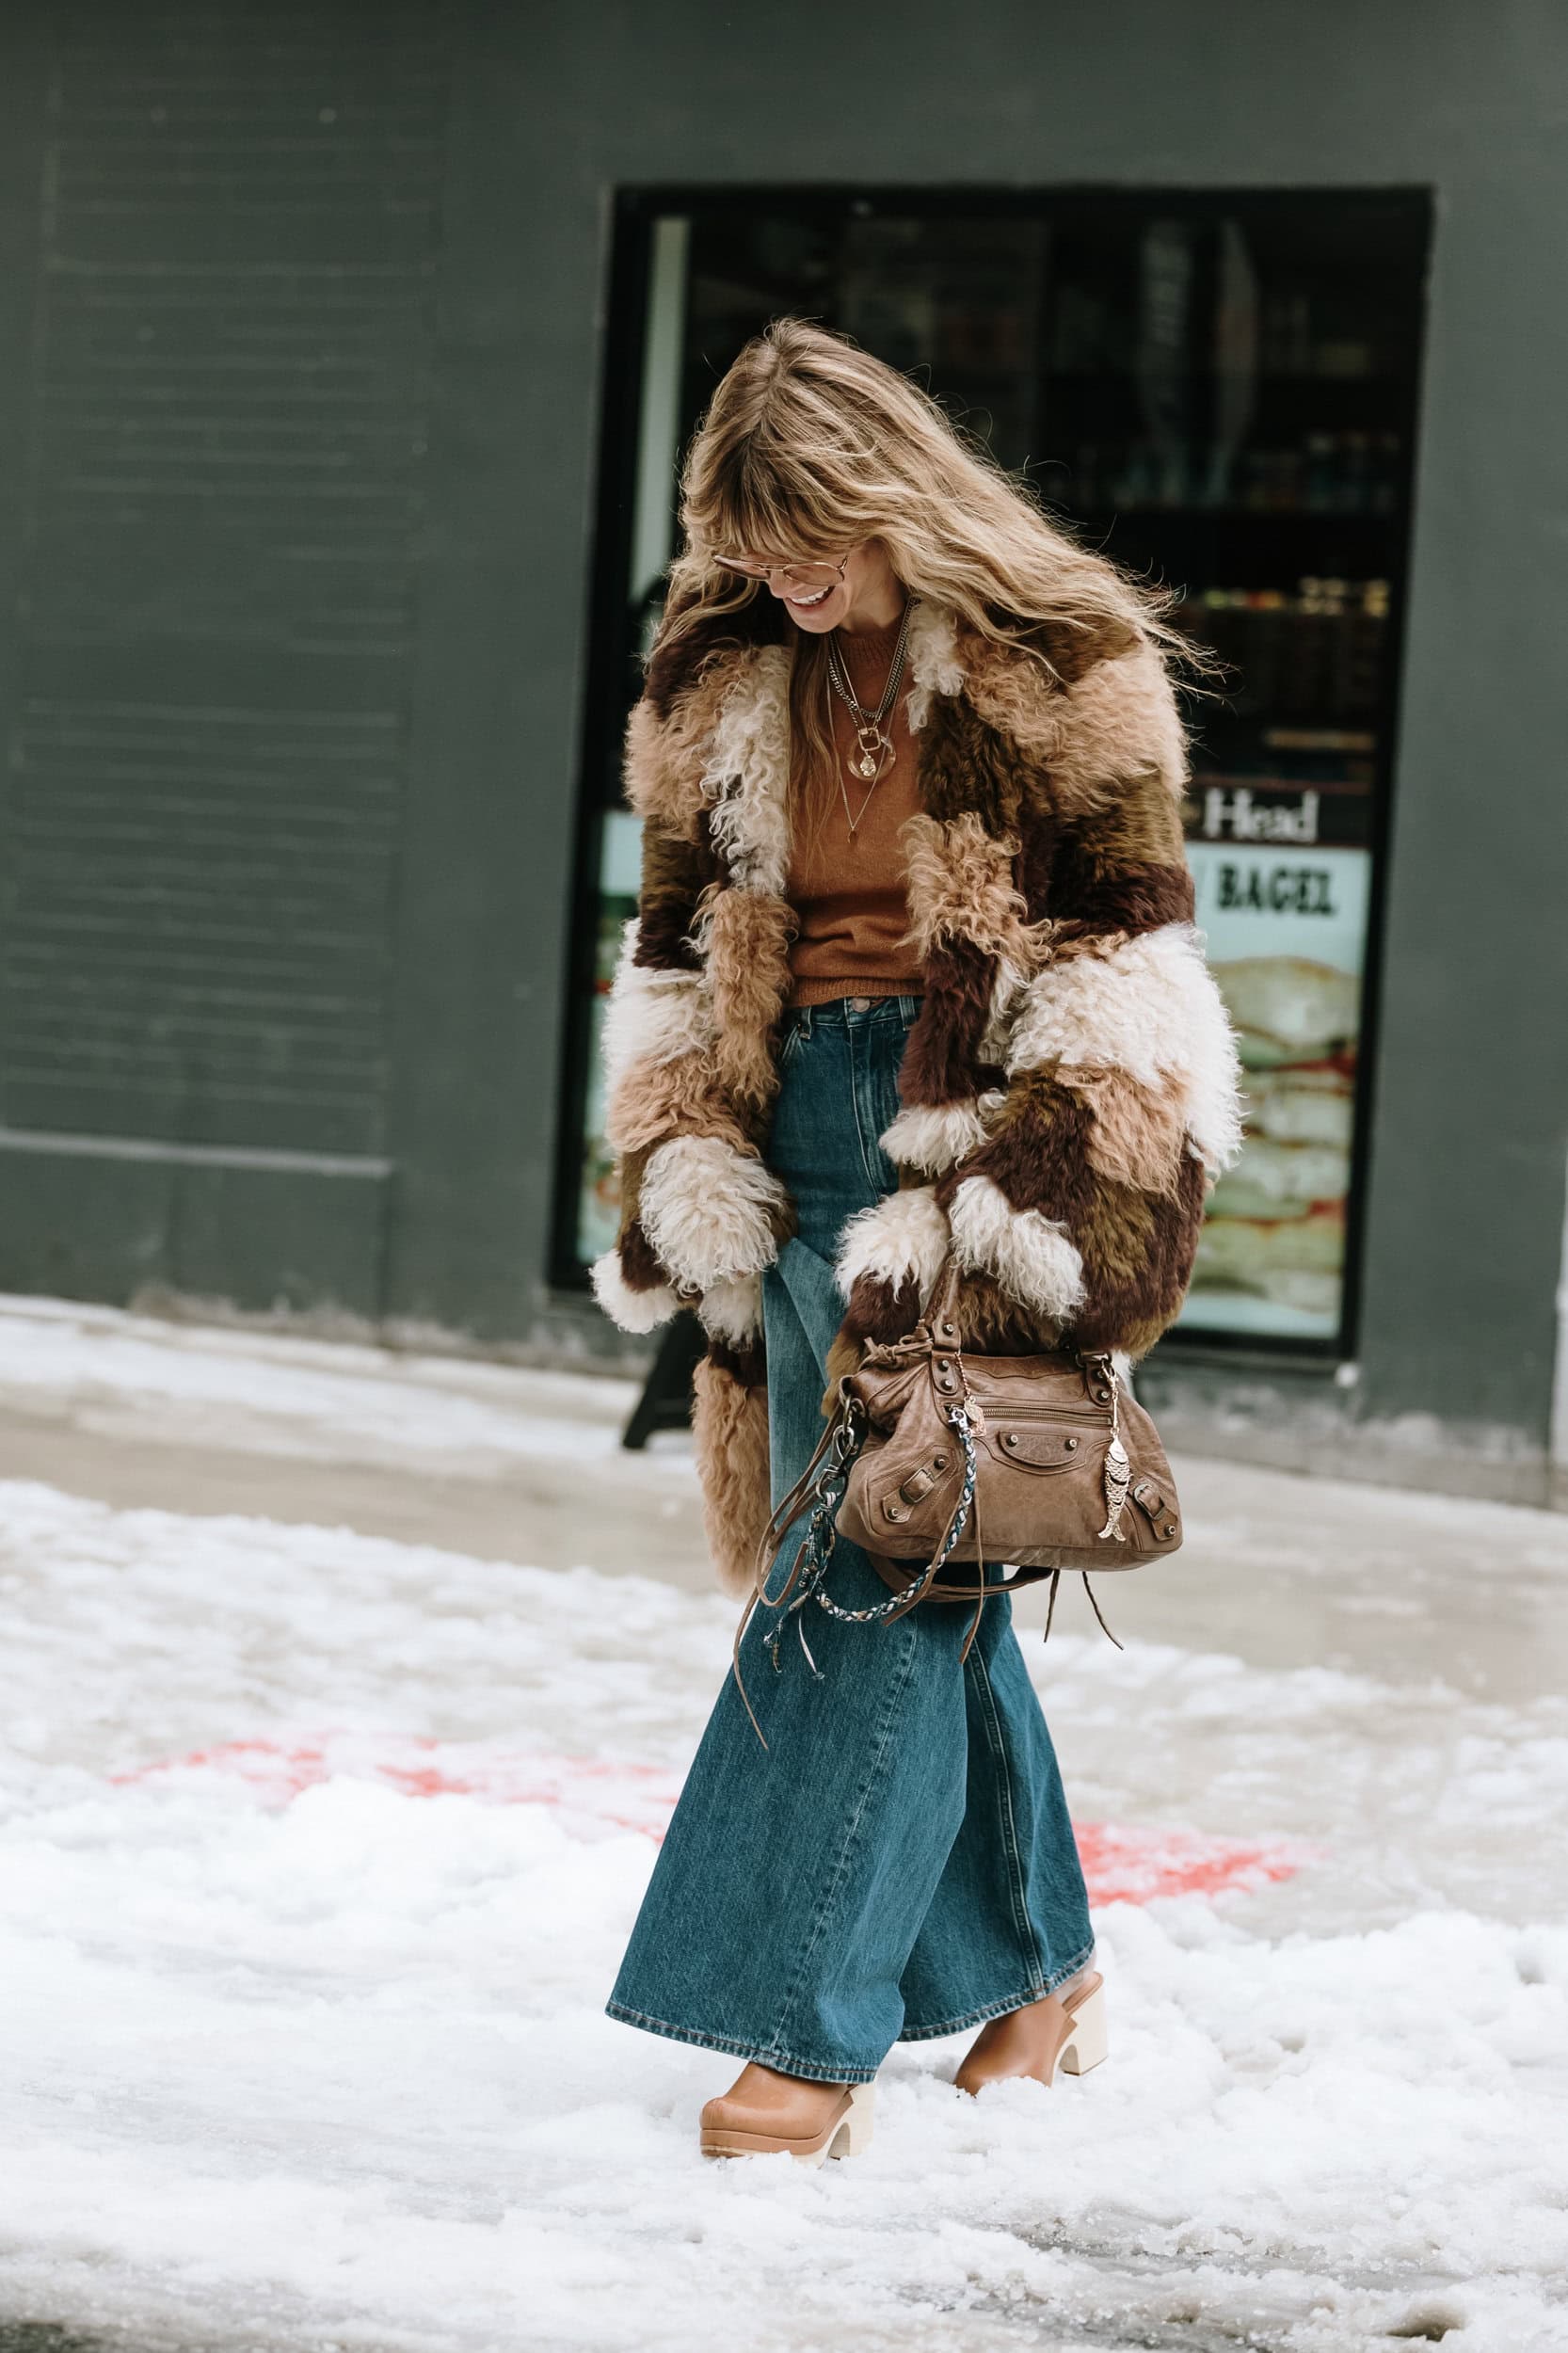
(1218,390)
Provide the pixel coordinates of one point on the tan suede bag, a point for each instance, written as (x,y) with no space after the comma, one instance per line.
(933,1455)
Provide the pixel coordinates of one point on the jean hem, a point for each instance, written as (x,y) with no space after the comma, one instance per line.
(999,2009)
(766,2055)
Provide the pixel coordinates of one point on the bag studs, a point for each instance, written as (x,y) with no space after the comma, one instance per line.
(1070,1443)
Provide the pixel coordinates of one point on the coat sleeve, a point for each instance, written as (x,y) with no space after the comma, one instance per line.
(1085,1200)
(699,1213)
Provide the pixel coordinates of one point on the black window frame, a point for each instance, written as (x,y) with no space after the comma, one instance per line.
(609,680)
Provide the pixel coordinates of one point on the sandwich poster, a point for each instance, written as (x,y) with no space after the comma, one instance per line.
(1285,928)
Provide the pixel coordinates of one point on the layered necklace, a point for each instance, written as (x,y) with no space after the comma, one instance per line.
(874,753)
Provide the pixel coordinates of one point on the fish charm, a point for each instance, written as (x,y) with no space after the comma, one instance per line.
(1118,1478)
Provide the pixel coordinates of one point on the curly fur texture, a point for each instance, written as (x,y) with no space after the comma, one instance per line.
(730,1436)
(652,1014)
(1137,1134)
(731,1311)
(934,666)
(712,1212)
(664,754)
(746,936)
(746,772)
(632,1310)
(653,1101)
(959,880)
(1149,1006)
(1032,1257)
(902,1238)
(1119,723)
(934,1137)
(943,1062)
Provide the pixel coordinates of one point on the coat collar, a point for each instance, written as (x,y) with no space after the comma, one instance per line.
(712,746)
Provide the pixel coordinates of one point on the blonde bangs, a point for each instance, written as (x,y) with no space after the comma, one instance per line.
(759,501)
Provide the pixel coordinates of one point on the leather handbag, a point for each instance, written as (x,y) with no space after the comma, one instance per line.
(933,1454)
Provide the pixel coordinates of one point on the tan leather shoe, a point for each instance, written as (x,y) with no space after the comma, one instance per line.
(1065,2030)
(763,2112)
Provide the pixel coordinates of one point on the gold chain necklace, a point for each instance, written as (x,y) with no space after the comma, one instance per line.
(874,754)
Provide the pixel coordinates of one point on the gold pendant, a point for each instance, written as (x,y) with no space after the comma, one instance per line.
(874,750)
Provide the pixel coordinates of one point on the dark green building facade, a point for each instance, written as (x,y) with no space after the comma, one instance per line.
(344,355)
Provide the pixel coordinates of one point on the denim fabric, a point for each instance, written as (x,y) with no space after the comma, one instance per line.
(898,1863)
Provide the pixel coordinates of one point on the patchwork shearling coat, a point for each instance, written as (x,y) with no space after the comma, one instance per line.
(1069,1089)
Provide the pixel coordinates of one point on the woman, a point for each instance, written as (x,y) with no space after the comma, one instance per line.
(913,969)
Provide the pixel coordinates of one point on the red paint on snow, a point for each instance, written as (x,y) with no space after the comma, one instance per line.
(593,1797)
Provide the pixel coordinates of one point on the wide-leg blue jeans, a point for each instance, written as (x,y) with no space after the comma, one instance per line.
(897,1862)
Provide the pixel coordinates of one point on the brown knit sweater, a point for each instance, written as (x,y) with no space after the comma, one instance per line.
(851,895)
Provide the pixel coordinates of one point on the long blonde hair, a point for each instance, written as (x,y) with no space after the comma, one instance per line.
(810,445)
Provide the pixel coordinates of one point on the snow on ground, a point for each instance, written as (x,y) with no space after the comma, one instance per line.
(319,1851)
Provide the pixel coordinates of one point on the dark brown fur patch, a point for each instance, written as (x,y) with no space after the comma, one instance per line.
(747,1365)
(677,662)
(1038,1152)
(879,1311)
(991,1321)
(1134,1294)
(1137,1246)
(1142,900)
(640,1267)
(674,873)
(1139,825)
(942,1057)
(1034,868)
(965,765)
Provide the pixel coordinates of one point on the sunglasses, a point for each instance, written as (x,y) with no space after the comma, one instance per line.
(809,577)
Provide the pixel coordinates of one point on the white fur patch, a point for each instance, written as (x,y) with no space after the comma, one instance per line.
(1149,1006)
(705,1210)
(748,775)
(732,1310)
(902,1235)
(652,1014)
(934,665)
(1034,1258)
(935,1137)
(634,1311)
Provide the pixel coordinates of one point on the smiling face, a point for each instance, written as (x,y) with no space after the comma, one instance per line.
(867,597)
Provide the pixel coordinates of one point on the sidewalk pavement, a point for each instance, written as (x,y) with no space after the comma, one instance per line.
(1280,1568)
